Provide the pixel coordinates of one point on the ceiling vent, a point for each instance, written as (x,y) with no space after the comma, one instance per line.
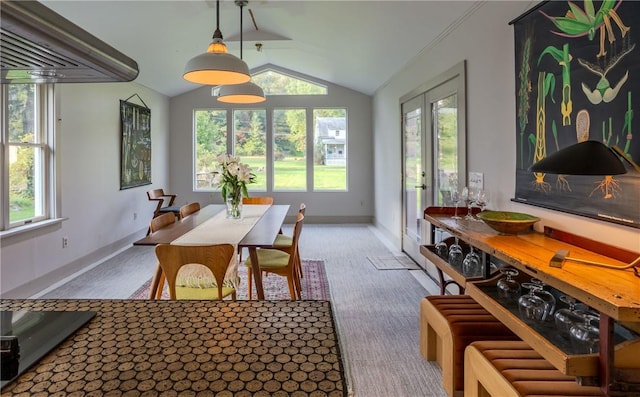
(38,45)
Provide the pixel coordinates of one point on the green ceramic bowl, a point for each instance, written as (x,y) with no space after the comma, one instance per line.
(508,222)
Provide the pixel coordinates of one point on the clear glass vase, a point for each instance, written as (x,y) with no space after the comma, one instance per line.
(234,207)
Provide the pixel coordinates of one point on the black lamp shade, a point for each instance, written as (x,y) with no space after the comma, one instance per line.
(584,158)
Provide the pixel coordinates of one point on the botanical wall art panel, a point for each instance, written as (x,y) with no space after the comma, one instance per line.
(135,157)
(578,78)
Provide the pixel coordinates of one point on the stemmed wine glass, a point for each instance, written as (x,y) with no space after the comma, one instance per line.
(467,197)
(585,336)
(568,317)
(456,256)
(508,288)
(472,265)
(531,306)
(442,250)
(482,199)
(455,197)
(547,296)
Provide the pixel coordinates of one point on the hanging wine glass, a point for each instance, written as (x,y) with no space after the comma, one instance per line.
(567,317)
(455,197)
(456,256)
(548,298)
(472,265)
(508,288)
(442,250)
(531,306)
(585,336)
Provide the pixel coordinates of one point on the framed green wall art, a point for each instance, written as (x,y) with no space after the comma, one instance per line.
(135,156)
(577,70)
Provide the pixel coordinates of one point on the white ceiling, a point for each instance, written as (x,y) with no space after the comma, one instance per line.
(356,44)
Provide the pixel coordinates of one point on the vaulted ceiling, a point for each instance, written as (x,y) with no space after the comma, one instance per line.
(356,44)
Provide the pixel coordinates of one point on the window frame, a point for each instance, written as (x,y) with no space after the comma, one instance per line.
(45,125)
(269,136)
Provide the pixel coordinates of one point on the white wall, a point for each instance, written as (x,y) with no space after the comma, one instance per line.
(99,214)
(485,40)
(355,205)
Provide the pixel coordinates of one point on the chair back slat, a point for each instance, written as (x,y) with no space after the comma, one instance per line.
(161,221)
(189,209)
(258,200)
(216,258)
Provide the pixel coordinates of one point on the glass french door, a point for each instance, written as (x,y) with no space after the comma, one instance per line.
(414,174)
(433,148)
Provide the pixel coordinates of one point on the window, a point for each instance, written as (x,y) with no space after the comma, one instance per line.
(330,149)
(27,138)
(289,149)
(250,143)
(276,83)
(211,141)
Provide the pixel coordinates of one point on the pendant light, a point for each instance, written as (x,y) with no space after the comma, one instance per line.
(216,66)
(241,93)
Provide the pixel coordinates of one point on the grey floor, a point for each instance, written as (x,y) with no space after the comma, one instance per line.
(377,311)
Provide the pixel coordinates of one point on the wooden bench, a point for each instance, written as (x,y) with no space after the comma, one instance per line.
(448,323)
(513,369)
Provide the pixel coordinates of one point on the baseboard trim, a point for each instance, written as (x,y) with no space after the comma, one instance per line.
(52,280)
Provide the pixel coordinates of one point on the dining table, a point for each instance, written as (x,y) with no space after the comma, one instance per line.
(208,226)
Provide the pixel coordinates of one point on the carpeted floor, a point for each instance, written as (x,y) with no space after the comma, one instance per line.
(314,284)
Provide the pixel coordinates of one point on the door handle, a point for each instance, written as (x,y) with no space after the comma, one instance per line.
(423,186)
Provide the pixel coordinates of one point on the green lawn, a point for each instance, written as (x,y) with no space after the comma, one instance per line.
(290,174)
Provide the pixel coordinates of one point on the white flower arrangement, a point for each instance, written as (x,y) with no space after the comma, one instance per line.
(232,177)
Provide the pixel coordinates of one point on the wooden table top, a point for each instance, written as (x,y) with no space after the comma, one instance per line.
(261,235)
(140,347)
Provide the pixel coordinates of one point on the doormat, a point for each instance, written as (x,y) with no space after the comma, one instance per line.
(315,285)
(393,262)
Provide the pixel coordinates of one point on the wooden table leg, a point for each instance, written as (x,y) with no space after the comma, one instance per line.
(155,283)
(257,274)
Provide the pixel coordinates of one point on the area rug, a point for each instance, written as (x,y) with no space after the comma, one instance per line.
(393,262)
(314,284)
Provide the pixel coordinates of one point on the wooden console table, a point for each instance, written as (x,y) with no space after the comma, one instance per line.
(615,294)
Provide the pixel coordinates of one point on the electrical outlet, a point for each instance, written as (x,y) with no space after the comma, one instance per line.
(65,242)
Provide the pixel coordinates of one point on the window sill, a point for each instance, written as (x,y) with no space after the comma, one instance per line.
(30,228)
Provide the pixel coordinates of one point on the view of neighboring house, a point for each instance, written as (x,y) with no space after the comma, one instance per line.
(331,133)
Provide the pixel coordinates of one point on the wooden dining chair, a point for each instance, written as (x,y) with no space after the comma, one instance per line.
(257,200)
(189,209)
(157,223)
(281,262)
(161,221)
(284,242)
(197,272)
(164,202)
(264,200)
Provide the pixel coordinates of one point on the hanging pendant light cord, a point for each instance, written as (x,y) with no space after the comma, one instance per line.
(241,4)
(217,34)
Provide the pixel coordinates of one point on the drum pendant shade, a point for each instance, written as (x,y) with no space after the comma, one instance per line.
(216,66)
(241,93)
